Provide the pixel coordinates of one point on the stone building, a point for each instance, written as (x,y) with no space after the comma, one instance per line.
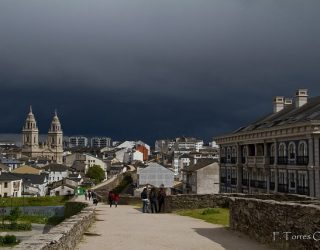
(52,149)
(278,153)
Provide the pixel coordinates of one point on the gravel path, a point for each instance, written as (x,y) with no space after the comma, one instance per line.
(125,227)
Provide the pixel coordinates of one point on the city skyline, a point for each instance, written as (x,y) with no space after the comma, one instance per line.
(160,70)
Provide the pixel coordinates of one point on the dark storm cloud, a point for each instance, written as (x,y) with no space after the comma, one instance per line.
(148,69)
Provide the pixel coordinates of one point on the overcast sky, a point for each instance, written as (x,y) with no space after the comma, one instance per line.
(147,69)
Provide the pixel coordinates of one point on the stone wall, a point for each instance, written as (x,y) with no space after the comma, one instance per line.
(64,236)
(264,217)
(268,221)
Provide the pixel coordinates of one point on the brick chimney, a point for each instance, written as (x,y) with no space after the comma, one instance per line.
(301,97)
(278,104)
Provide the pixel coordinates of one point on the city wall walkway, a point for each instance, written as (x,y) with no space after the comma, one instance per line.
(125,227)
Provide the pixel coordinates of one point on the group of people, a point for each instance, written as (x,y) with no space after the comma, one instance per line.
(91,195)
(113,198)
(154,200)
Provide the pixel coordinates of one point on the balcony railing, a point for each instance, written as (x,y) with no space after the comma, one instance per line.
(272,185)
(303,190)
(233,181)
(302,160)
(251,160)
(245,182)
(233,160)
(283,160)
(257,184)
(271,159)
(283,188)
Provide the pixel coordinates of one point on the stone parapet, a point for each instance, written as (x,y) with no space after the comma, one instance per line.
(64,236)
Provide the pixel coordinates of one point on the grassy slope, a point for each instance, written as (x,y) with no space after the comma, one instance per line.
(33,201)
(218,216)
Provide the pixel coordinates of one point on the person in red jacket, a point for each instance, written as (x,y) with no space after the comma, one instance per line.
(116,199)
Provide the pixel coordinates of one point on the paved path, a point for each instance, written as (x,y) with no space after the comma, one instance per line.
(125,227)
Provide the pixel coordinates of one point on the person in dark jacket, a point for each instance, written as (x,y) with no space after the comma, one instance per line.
(145,201)
(161,198)
(111,198)
(153,200)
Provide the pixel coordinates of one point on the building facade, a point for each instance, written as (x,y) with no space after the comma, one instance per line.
(276,154)
(101,142)
(52,149)
(78,141)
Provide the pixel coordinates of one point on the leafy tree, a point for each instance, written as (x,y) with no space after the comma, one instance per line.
(96,173)
(14,215)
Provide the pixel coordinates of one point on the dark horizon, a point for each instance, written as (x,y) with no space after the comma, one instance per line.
(152,70)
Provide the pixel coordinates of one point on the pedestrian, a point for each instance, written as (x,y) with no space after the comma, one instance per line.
(94,198)
(111,198)
(116,199)
(89,194)
(86,195)
(145,201)
(161,198)
(153,200)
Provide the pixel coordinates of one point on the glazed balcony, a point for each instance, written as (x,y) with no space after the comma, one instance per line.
(282,160)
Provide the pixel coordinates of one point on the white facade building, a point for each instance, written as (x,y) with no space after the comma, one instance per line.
(156,175)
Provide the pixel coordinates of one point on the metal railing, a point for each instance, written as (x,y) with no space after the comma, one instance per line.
(302,160)
(283,160)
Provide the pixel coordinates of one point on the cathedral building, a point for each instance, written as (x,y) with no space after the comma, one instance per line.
(51,149)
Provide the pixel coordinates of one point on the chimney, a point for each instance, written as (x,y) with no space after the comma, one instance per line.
(278,104)
(287,101)
(301,97)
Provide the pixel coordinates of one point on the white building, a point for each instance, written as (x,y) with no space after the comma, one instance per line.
(202,177)
(10,185)
(56,172)
(156,175)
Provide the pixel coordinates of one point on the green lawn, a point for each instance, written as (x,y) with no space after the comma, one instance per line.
(33,201)
(218,216)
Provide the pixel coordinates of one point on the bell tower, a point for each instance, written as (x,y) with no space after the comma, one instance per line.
(30,135)
(55,138)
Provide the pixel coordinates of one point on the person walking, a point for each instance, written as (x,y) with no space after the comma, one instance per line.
(94,198)
(111,198)
(161,198)
(145,201)
(89,195)
(85,195)
(116,199)
(153,200)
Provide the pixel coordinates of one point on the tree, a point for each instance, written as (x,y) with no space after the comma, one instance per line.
(14,215)
(96,173)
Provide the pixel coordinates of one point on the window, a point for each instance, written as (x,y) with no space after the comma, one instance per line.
(6,185)
(272,176)
(282,150)
(302,180)
(302,150)
(282,177)
(272,151)
(292,151)
(292,180)
(228,152)
(234,152)
(244,151)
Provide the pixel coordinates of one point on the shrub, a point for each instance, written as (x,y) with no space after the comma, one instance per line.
(16,227)
(9,239)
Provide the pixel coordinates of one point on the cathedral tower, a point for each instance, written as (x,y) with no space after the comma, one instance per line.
(55,138)
(30,134)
